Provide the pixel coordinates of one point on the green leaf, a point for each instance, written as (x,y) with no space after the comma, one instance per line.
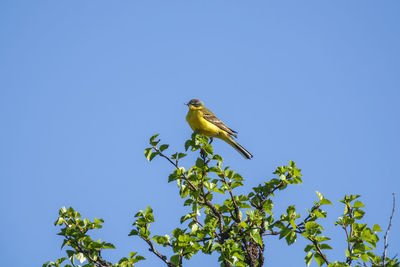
(153,141)
(148,211)
(291,238)
(175,259)
(309,258)
(237,177)
(319,213)
(216,189)
(325,202)
(200,163)
(208,149)
(338,264)
(160,240)
(215,246)
(347,253)
(80,257)
(308,247)
(319,259)
(181,155)
(257,238)
(188,202)
(293,224)
(364,257)
(138,258)
(59,221)
(244,225)
(173,176)
(217,157)
(214,169)
(70,253)
(98,220)
(236,184)
(321,238)
(324,246)
(187,217)
(163,147)
(63,210)
(194,227)
(376,228)
(147,153)
(358,204)
(59,261)
(108,245)
(285,231)
(188,144)
(358,214)
(184,191)
(312,225)
(229,174)
(320,196)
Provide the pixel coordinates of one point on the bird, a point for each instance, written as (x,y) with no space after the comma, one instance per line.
(207,124)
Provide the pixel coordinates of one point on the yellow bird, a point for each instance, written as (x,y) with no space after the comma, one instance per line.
(206,123)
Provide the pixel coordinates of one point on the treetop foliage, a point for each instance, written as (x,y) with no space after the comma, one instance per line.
(237,228)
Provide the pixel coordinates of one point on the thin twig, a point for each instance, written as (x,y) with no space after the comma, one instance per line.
(348,260)
(319,251)
(100,261)
(176,166)
(271,233)
(213,209)
(281,184)
(194,188)
(158,254)
(236,217)
(387,230)
(208,203)
(309,217)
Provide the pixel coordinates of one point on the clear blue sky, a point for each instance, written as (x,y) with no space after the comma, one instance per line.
(83,84)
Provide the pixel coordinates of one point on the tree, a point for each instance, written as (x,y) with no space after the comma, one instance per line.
(236,229)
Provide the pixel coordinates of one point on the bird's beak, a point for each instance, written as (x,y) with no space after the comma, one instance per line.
(186,104)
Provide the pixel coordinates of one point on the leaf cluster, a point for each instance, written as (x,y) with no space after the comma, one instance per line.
(82,247)
(219,220)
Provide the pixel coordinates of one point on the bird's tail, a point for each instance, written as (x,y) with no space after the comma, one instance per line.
(246,154)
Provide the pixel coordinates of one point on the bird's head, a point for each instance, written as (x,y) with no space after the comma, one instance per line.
(195,104)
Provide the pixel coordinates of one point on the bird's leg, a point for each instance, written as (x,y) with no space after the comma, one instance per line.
(212,138)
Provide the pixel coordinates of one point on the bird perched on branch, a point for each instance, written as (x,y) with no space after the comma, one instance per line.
(206,123)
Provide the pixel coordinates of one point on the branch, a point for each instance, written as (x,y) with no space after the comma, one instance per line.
(236,217)
(348,260)
(235,206)
(281,184)
(308,218)
(194,188)
(208,203)
(158,254)
(271,233)
(100,262)
(319,251)
(176,166)
(213,209)
(387,231)
(264,197)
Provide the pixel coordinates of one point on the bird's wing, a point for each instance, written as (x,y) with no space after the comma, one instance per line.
(209,116)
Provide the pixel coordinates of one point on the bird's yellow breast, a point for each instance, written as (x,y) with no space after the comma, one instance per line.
(198,123)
